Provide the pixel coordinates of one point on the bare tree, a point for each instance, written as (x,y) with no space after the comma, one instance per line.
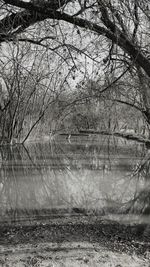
(28,87)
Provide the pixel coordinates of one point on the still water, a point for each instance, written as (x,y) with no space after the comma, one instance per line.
(92,175)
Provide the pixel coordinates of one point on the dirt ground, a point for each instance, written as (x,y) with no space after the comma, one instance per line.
(68,255)
(74,242)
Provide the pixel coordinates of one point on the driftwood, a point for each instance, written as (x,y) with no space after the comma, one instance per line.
(74,134)
(127,136)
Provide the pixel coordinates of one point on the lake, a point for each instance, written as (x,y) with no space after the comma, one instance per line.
(89,175)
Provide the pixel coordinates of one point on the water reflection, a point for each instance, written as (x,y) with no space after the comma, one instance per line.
(95,175)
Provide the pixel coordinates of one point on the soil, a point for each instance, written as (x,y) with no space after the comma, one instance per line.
(74,241)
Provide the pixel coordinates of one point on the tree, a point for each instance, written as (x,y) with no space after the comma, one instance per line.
(27,89)
(114,35)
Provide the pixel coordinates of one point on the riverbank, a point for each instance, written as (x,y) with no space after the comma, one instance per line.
(77,241)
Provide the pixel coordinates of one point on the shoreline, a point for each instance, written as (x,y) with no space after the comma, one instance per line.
(79,241)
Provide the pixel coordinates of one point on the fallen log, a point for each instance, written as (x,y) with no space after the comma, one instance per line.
(127,136)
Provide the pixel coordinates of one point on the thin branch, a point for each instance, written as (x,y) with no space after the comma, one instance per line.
(115,81)
(136,20)
(37,14)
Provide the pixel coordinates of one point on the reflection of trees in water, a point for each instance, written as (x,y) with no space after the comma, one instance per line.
(30,180)
(138,179)
(16,193)
(43,177)
(101,158)
(141,200)
(124,192)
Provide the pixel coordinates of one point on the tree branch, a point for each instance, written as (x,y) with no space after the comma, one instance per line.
(34,14)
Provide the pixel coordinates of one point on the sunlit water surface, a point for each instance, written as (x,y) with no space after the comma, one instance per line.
(98,175)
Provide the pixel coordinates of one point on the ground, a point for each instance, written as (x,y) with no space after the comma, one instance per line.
(74,241)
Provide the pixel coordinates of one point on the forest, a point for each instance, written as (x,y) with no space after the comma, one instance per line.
(74,133)
(68,66)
